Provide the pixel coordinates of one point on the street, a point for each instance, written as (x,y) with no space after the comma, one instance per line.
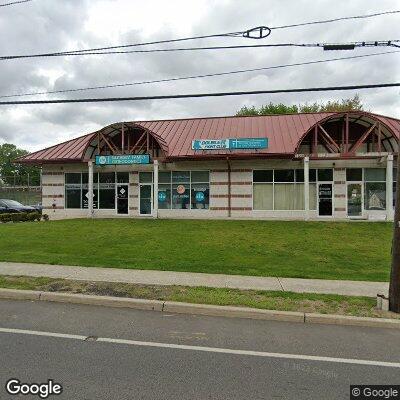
(110,353)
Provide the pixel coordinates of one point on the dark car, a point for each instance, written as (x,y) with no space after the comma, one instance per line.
(12,206)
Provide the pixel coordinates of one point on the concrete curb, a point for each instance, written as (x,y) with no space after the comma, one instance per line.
(199,309)
(233,312)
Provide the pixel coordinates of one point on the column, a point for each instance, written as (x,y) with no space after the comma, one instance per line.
(155,195)
(389,188)
(306,187)
(90,189)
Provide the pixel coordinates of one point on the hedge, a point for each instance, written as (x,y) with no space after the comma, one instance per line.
(20,217)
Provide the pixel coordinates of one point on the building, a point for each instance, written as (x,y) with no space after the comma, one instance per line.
(298,166)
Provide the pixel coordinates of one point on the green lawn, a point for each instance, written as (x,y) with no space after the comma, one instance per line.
(327,250)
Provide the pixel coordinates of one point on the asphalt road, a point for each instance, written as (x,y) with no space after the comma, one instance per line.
(151,355)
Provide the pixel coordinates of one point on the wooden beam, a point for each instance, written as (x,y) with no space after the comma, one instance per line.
(137,143)
(112,148)
(315,140)
(346,134)
(379,138)
(327,136)
(362,139)
(123,138)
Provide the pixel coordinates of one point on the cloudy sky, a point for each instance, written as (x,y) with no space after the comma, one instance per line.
(57,25)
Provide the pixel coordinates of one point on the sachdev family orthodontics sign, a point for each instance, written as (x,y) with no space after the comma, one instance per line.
(230,144)
(123,159)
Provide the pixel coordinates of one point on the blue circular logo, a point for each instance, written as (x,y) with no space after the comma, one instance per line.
(200,197)
(162,196)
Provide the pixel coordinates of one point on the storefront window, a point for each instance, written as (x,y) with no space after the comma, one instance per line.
(354,174)
(325,174)
(284,189)
(164,196)
(375,188)
(145,177)
(73,190)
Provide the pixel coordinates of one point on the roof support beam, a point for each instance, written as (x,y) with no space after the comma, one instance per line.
(329,138)
(112,147)
(361,140)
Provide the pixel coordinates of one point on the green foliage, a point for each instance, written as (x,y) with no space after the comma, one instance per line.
(20,217)
(8,154)
(351,104)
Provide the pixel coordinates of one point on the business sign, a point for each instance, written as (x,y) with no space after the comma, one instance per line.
(162,196)
(200,197)
(124,159)
(230,144)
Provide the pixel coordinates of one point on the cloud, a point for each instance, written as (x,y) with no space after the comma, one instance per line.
(46,25)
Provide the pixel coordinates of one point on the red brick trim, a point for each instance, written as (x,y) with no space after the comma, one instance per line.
(340,209)
(134,172)
(242,170)
(339,182)
(232,183)
(133,196)
(340,195)
(133,208)
(133,184)
(239,196)
(52,196)
(52,184)
(232,208)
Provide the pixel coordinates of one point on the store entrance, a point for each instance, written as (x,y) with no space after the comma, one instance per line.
(325,199)
(122,199)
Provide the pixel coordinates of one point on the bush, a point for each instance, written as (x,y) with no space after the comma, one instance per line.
(20,217)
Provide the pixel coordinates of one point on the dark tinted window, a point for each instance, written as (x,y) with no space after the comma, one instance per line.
(313,175)
(325,174)
(263,175)
(354,174)
(284,175)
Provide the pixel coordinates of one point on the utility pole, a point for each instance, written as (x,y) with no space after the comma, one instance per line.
(394,289)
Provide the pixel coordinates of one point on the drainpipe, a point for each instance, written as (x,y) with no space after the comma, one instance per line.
(389,188)
(90,189)
(306,187)
(155,195)
(229,187)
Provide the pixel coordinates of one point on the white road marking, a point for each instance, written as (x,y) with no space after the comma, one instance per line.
(303,357)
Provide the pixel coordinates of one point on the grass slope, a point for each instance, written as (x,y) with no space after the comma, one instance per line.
(326,250)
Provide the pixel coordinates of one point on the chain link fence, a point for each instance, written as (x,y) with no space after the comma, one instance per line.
(21,188)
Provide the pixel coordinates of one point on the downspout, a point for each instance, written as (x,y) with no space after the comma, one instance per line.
(229,187)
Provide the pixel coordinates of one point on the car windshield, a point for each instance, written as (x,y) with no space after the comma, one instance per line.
(11,203)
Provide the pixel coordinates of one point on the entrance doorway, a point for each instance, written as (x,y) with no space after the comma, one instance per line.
(354,199)
(325,199)
(122,199)
(145,199)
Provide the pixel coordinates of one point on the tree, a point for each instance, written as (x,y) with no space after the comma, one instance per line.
(8,170)
(351,104)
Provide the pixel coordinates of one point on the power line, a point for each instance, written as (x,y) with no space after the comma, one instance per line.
(336,19)
(198,76)
(264,32)
(200,95)
(14,2)
(325,46)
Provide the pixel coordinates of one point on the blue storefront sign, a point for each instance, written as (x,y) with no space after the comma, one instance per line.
(162,196)
(124,159)
(200,197)
(230,144)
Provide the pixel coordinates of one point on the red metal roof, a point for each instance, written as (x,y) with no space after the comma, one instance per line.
(284,133)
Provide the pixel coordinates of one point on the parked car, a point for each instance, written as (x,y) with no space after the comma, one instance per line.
(38,207)
(12,206)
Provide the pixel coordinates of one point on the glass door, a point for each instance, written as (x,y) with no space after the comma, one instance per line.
(122,198)
(145,199)
(354,199)
(325,199)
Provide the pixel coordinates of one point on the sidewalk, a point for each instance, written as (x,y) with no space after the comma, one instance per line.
(148,277)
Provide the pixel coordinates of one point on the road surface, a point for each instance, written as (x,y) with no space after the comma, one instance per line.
(110,353)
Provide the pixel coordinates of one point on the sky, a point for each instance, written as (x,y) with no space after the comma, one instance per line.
(58,25)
